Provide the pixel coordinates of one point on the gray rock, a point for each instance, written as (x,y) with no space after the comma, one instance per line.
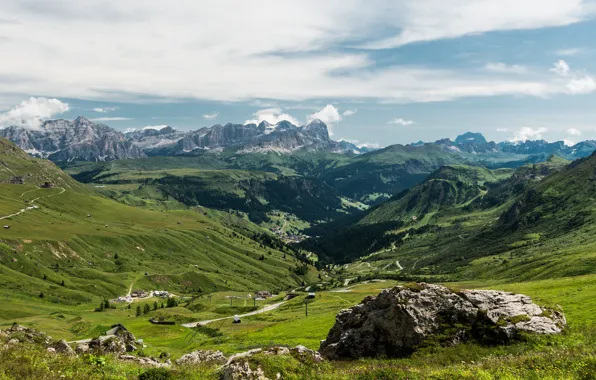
(400,320)
(82,348)
(200,357)
(152,362)
(63,348)
(241,371)
(107,345)
(13,341)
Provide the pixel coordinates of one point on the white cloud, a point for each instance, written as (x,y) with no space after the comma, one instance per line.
(401,121)
(570,52)
(574,132)
(328,115)
(568,142)
(30,113)
(503,129)
(438,19)
(211,116)
(561,67)
(139,57)
(503,68)
(527,133)
(582,84)
(155,127)
(115,118)
(348,113)
(272,116)
(105,109)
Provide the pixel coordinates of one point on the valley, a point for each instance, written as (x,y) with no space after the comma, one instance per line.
(319,230)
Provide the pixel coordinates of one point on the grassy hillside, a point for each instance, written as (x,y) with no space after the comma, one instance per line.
(76,247)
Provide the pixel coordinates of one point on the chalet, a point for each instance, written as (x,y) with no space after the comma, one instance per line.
(47,185)
(138,294)
(263,294)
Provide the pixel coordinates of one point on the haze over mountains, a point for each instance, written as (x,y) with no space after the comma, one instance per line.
(85,140)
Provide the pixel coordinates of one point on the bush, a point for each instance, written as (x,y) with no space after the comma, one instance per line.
(156,374)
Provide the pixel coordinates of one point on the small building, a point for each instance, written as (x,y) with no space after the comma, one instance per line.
(47,185)
(6,227)
(311,295)
(138,294)
(263,294)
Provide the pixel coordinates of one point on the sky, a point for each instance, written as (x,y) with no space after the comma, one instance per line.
(377,72)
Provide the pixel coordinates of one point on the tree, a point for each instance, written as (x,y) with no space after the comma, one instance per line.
(45,277)
(101,306)
(62,283)
(106,304)
(262,258)
(146,309)
(41,295)
(171,302)
(115,256)
(154,305)
(138,310)
(162,305)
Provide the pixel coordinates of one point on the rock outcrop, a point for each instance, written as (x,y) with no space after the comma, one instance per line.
(402,319)
(151,362)
(200,357)
(239,366)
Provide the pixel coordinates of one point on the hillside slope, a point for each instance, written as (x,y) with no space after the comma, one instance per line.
(96,247)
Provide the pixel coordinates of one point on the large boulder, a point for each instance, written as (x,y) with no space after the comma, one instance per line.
(63,348)
(402,319)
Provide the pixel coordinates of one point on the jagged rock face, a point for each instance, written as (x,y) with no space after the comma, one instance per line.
(80,139)
(282,137)
(399,320)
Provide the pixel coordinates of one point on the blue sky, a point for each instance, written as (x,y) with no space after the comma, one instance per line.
(377,71)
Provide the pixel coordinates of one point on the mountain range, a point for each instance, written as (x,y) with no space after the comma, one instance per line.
(85,140)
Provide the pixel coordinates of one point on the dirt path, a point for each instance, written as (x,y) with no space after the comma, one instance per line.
(33,206)
(263,310)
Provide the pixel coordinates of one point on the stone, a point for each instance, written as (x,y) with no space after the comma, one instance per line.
(241,371)
(152,362)
(13,341)
(63,348)
(51,350)
(200,357)
(400,320)
(107,345)
(82,348)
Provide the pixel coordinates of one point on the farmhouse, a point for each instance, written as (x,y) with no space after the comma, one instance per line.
(263,294)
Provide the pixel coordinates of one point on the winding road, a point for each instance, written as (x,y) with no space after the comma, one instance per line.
(263,310)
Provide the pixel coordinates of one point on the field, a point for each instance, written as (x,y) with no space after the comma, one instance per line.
(567,356)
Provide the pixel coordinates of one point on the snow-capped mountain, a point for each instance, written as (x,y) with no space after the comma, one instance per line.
(76,140)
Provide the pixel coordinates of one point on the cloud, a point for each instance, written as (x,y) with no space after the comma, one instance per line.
(155,127)
(570,52)
(574,132)
(401,121)
(115,118)
(105,109)
(499,67)
(429,20)
(503,129)
(30,113)
(582,84)
(328,115)
(527,133)
(561,68)
(348,113)
(568,142)
(211,116)
(272,116)
(306,58)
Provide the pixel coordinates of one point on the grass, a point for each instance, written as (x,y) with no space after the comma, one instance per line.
(568,356)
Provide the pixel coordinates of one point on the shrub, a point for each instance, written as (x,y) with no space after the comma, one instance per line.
(156,374)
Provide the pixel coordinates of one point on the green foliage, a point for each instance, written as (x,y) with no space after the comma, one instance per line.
(156,374)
